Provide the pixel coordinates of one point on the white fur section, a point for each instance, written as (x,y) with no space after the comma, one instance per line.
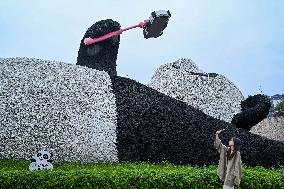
(217,97)
(67,108)
(272,128)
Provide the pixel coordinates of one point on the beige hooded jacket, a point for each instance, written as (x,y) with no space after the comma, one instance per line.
(228,171)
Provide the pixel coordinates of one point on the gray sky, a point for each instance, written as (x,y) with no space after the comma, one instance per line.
(243,40)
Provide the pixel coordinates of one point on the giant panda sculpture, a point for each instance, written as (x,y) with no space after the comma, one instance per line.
(88,116)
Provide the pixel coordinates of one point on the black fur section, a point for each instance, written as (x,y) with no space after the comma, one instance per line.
(102,55)
(154,127)
(254,110)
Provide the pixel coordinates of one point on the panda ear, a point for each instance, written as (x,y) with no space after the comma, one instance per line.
(49,160)
(33,160)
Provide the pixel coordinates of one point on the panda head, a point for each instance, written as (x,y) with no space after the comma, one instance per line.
(42,156)
(99,29)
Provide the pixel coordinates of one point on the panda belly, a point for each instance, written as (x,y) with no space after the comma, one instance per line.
(41,166)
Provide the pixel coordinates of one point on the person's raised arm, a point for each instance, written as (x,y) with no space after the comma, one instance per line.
(218,144)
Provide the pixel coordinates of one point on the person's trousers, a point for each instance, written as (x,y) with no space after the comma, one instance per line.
(227,187)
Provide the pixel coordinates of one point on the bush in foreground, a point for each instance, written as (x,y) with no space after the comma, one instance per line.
(15,174)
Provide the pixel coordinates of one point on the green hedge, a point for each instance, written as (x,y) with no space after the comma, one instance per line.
(15,174)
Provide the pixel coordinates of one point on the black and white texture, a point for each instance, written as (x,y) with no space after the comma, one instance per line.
(41,161)
(81,115)
(271,127)
(69,109)
(254,110)
(101,56)
(154,127)
(86,115)
(212,93)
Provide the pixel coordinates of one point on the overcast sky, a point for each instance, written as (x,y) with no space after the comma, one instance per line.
(243,40)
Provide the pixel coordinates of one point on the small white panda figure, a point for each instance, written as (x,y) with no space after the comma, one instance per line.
(41,161)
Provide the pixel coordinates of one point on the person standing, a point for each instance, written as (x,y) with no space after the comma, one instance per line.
(230,163)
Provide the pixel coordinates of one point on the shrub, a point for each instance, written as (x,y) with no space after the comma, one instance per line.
(280,106)
(15,174)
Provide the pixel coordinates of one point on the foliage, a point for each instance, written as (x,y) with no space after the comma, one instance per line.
(15,174)
(280,106)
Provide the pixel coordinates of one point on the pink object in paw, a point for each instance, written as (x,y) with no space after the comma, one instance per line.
(89,40)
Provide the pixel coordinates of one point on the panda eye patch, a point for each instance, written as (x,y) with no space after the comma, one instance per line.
(45,156)
(39,154)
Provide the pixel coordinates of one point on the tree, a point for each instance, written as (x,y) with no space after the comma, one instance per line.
(280,106)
